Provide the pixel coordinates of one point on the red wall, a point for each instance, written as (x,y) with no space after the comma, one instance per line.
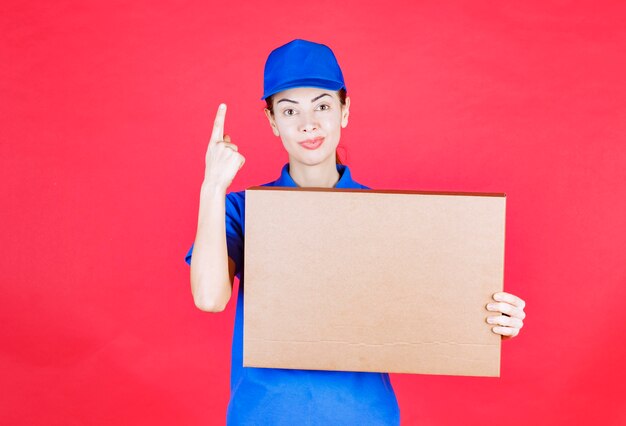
(105,113)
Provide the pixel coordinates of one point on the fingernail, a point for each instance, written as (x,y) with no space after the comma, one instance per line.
(222,106)
(490,320)
(491,306)
(497,296)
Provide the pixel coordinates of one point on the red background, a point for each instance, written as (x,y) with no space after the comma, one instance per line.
(106,110)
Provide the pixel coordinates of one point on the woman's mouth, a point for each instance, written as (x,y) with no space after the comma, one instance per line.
(312,143)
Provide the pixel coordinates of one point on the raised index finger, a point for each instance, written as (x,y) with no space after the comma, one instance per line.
(218,125)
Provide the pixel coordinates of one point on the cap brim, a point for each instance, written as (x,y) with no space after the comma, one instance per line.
(309,82)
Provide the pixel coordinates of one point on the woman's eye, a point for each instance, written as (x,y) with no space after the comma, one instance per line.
(324,107)
(289,112)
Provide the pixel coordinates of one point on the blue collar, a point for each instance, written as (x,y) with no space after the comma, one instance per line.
(345,179)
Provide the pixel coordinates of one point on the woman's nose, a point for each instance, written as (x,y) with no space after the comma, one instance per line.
(309,123)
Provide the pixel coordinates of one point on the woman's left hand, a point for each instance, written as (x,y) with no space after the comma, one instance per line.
(511,320)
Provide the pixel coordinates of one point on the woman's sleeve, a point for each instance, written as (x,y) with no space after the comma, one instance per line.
(234,233)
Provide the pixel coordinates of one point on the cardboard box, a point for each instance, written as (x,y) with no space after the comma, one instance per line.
(372,280)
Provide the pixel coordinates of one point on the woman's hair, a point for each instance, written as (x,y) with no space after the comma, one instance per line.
(342,98)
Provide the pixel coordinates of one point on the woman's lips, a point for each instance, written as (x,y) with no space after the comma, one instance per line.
(312,143)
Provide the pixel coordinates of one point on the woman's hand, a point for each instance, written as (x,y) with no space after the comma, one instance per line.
(223,160)
(512,309)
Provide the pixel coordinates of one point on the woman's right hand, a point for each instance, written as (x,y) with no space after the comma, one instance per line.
(223,160)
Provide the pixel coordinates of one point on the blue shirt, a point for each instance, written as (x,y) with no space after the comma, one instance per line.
(273,396)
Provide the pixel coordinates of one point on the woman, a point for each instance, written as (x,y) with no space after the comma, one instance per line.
(306,106)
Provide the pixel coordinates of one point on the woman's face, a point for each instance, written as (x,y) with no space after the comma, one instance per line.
(309,114)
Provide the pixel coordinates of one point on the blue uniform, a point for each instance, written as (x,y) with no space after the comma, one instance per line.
(273,396)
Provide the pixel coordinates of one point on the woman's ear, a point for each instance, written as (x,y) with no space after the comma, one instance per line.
(345,112)
(270,118)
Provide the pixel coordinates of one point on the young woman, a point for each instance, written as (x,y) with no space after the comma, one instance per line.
(306,106)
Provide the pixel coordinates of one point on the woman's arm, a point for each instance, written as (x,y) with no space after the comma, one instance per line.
(212,271)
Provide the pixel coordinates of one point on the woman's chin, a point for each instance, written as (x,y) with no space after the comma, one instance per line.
(313,158)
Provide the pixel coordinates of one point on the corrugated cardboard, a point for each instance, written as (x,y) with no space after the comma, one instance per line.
(372,280)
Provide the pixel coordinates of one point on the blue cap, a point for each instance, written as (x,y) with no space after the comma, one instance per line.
(301,63)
